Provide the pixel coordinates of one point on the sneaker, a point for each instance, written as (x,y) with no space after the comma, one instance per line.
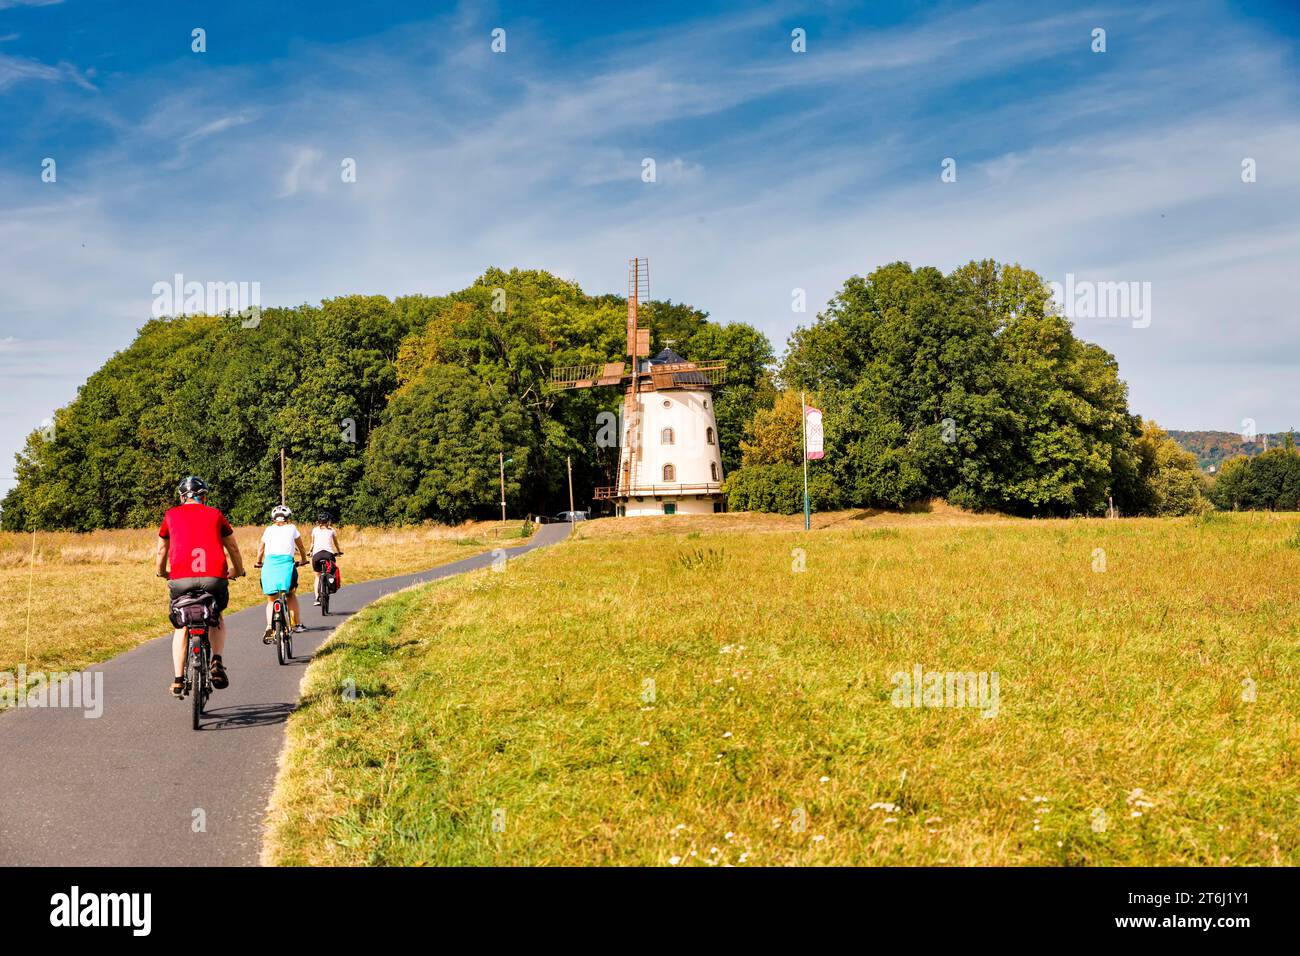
(300,629)
(220,679)
(178,689)
(269,636)
(316,603)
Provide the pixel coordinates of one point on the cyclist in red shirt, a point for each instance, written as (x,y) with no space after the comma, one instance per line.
(198,538)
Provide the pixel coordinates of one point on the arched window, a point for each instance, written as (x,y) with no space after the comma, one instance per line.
(713,467)
(670,474)
(708,435)
(666,436)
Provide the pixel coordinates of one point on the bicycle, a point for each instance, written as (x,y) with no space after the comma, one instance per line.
(280,629)
(196,611)
(328,584)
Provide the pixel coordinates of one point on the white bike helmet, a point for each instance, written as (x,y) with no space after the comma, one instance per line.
(280,511)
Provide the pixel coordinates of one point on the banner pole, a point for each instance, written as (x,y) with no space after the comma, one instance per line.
(803,425)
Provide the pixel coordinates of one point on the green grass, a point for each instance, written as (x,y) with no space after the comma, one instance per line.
(1123,734)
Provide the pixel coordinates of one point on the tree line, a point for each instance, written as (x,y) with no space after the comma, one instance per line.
(968,386)
(1266,482)
(388,411)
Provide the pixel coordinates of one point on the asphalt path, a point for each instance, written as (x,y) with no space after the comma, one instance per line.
(136,786)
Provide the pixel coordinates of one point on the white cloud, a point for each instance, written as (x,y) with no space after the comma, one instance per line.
(304,173)
(18,69)
(220,125)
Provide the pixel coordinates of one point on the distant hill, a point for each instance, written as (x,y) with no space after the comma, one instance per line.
(1212,449)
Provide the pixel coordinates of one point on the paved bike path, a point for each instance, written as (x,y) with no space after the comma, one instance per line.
(136,786)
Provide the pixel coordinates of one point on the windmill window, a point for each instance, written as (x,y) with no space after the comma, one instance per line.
(708,436)
(670,473)
(667,404)
(713,468)
(666,436)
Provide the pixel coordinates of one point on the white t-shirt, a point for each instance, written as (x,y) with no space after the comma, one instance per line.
(279,538)
(322,539)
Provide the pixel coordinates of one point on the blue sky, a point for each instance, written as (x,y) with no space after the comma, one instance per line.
(776,170)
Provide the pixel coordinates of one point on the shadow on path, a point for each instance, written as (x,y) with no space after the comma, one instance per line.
(247,715)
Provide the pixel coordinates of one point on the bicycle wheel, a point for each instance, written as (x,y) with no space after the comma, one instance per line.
(281,642)
(198,684)
(324,598)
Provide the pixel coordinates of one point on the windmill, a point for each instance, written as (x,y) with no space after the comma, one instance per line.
(669,458)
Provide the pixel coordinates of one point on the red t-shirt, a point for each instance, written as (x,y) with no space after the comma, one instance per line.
(195,532)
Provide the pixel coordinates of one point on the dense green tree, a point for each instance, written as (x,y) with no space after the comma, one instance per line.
(966,386)
(775,435)
(1228,491)
(1268,482)
(435,454)
(778,488)
(1273,480)
(1170,479)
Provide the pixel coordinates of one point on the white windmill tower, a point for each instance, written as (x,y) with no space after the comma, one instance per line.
(669,458)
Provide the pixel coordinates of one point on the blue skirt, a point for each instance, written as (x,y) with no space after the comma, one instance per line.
(277,573)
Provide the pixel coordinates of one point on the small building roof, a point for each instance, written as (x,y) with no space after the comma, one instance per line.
(667,357)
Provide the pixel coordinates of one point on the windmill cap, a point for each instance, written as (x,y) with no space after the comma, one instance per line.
(667,357)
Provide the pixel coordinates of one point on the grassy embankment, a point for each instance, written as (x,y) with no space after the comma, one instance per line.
(1146,712)
(94,595)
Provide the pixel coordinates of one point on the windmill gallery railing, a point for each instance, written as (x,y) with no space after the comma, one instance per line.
(677,375)
(651,491)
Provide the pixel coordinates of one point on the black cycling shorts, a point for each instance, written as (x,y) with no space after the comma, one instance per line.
(318,560)
(219,588)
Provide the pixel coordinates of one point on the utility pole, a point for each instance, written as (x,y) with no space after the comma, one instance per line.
(568,460)
(281,476)
(501,460)
(803,431)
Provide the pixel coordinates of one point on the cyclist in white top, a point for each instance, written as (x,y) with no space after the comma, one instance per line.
(324,547)
(282,539)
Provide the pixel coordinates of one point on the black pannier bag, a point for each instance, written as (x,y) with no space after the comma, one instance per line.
(193,609)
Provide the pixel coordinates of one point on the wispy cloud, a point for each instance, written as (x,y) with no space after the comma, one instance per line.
(216,126)
(17,69)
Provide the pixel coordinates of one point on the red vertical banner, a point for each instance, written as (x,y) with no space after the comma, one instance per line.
(812,423)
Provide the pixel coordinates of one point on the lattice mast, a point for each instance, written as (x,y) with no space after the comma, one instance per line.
(638,344)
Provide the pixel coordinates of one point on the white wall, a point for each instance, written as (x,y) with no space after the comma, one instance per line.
(685,506)
(689,414)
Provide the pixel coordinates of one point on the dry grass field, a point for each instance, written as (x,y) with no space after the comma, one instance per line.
(90,596)
(703,692)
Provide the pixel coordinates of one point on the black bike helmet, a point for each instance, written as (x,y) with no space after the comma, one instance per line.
(192,487)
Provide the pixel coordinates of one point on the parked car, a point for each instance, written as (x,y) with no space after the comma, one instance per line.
(571,516)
